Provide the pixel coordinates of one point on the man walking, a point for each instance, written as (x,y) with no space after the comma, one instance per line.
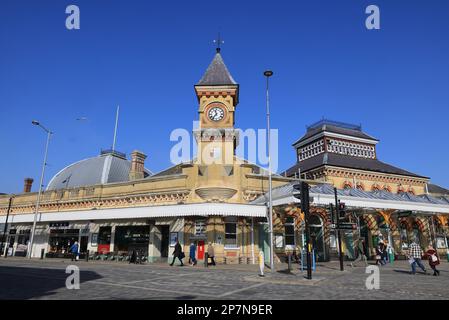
(361,250)
(74,250)
(177,254)
(415,255)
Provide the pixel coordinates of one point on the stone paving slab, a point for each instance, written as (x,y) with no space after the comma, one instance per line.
(45,279)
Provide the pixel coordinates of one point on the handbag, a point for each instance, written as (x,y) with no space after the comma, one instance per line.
(434,258)
(411,260)
(182,255)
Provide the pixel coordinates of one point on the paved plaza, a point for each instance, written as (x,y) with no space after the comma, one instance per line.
(45,279)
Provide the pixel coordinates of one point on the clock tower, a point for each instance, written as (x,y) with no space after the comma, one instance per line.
(218,95)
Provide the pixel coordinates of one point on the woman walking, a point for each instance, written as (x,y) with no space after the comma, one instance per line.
(434,260)
(192,254)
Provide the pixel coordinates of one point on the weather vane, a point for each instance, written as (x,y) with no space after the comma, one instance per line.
(218,42)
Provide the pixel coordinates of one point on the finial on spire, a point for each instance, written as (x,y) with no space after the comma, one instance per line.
(218,42)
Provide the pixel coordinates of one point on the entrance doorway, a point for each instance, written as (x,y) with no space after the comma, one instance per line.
(165,236)
(83,244)
(317,237)
(264,244)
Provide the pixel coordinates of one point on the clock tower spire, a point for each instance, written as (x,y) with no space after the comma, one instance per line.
(217,94)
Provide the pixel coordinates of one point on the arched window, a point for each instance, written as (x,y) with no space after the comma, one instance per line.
(347,185)
(416,234)
(404,234)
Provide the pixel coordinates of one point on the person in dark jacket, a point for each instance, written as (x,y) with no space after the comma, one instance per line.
(380,254)
(133,257)
(434,260)
(177,253)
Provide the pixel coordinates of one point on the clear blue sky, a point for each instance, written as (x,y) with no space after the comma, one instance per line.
(147,55)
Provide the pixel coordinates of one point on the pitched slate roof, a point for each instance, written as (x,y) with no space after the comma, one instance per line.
(288,190)
(217,73)
(345,161)
(335,127)
(433,188)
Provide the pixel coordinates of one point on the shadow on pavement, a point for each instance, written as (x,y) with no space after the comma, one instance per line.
(20,283)
(408,271)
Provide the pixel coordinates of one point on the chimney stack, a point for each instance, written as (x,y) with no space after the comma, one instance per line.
(27,185)
(137,165)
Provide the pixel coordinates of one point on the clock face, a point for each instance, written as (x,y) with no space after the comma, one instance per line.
(216,114)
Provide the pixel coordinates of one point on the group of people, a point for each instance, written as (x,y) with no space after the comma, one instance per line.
(180,255)
(415,255)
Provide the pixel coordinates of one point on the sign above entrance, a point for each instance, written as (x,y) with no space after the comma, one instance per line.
(344,226)
(60,224)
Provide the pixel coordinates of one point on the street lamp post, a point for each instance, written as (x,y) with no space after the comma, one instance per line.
(268,74)
(5,229)
(33,231)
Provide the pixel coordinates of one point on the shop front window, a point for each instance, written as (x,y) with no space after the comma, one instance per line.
(22,243)
(62,239)
(200,228)
(128,238)
(231,232)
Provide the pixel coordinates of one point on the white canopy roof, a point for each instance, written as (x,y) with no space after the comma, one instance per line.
(180,210)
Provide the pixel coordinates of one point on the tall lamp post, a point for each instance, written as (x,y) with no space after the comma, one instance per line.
(33,231)
(268,74)
(5,228)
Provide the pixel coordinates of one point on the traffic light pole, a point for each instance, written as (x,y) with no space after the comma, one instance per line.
(340,253)
(305,209)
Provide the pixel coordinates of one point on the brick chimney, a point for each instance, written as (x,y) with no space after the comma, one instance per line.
(28,183)
(137,165)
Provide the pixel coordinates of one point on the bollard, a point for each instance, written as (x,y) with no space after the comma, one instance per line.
(261,264)
(289,262)
(87,255)
(313,260)
(206,260)
(302,260)
(42,253)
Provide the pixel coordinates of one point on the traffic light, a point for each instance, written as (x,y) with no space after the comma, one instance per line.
(302,193)
(341,210)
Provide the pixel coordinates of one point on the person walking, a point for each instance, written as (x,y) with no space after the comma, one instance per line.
(192,254)
(177,253)
(133,257)
(434,260)
(74,250)
(361,251)
(211,253)
(380,254)
(415,255)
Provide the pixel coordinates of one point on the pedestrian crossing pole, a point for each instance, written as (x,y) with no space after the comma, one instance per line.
(337,216)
